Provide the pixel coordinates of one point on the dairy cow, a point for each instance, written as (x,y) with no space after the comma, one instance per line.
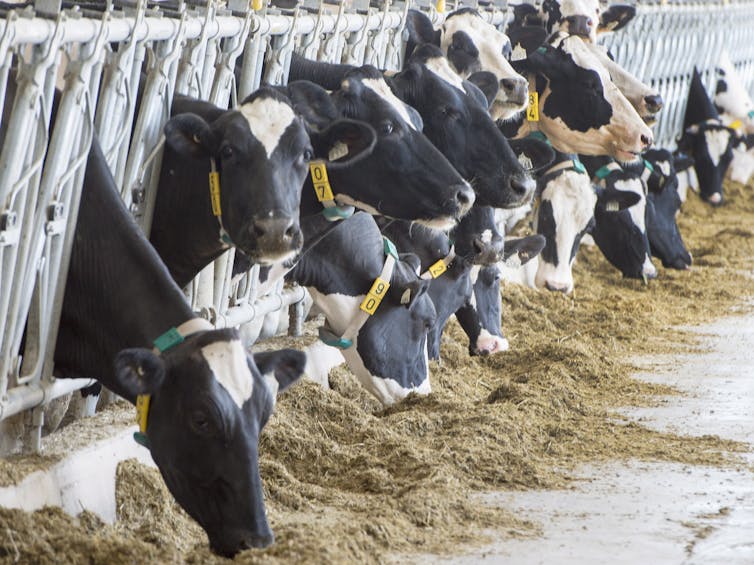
(471,44)
(260,154)
(579,108)
(206,394)
(376,307)
(707,140)
(663,204)
(731,99)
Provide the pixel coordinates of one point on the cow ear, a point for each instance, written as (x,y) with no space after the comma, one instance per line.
(189,134)
(280,368)
(524,249)
(411,291)
(344,142)
(139,371)
(487,83)
(420,29)
(617,200)
(615,17)
(533,154)
(403,84)
(525,41)
(313,103)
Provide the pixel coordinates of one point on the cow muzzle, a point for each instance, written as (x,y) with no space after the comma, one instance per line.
(580,25)
(274,239)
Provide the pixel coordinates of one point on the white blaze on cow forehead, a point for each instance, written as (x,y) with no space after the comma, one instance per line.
(486,236)
(440,67)
(664,167)
(268,119)
(381,89)
(585,58)
(227,361)
(637,211)
(717,142)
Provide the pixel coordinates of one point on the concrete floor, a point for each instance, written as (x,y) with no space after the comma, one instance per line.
(656,513)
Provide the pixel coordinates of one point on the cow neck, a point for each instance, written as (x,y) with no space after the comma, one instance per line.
(368,306)
(601,174)
(118,293)
(164,342)
(562,162)
(186,204)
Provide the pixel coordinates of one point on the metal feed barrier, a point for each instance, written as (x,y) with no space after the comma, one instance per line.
(100,54)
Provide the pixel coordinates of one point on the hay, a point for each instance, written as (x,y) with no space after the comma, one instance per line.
(347,480)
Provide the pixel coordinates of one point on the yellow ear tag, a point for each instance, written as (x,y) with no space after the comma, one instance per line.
(257,5)
(142,412)
(532,112)
(374,296)
(438,269)
(735,125)
(441,6)
(320,181)
(214,192)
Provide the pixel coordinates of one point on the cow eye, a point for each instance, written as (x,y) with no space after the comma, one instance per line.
(226,152)
(201,422)
(386,128)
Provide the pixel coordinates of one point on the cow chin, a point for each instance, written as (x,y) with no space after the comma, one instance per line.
(268,258)
(443,223)
(625,157)
(506,109)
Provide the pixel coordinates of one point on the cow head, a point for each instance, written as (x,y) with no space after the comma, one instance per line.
(584,17)
(476,238)
(471,44)
(711,145)
(423,185)
(456,121)
(663,203)
(620,230)
(260,151)
(580,108)
(388,355)
(208,404)
(731,98)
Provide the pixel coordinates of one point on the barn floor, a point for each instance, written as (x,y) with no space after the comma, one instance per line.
(639,512)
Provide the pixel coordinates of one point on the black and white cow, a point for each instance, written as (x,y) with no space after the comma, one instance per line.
(663,204)
(622,235)
(580,18)
(480,318)
(471,44)
(566,212)
(707,140)
(731,99)
(403,156)
(580,110)
(448,262)
(261,152)
(208,398)
(388,352)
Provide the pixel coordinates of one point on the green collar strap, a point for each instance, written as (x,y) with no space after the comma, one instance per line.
(368,306)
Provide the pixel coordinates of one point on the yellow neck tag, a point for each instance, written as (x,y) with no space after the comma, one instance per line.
(374,296)
(438,268)
(735,125)
(532,111)
(142,412)
(214,192)
(321,182)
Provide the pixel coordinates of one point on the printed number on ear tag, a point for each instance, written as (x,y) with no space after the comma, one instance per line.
(612,206)
(532,112)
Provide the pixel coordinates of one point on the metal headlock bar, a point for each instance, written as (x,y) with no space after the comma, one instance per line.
(101,54)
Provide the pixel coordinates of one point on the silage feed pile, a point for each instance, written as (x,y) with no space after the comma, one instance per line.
(346,480)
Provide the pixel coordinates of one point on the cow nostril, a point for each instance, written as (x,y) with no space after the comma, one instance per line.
(646,141)
(290,231)
(508,84)
(258,230)
(589,22)
(521,186)
(654,102)
(465,197)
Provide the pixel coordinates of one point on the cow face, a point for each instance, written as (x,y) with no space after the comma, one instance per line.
(424,186)
(585,18)
(261,152)
(711,145)
(486,335)
(456,121)
(621,234)
(731,98)
(565,214)
(209,402)
(663,204)
(472,45)
(580,108)
(476,239)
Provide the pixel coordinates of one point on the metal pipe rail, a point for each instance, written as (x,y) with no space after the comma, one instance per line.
(101,60)
(667,40)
